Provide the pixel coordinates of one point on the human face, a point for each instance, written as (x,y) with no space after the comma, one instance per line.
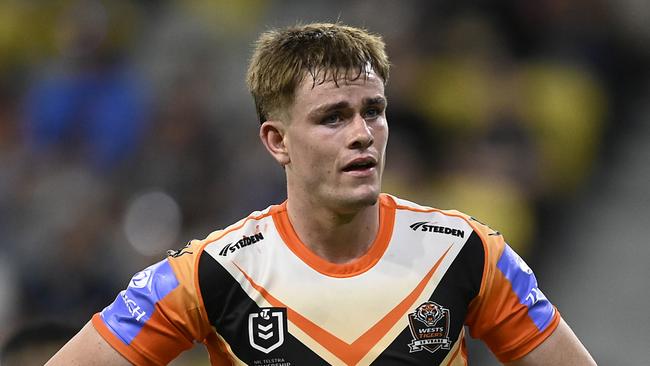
(336,140)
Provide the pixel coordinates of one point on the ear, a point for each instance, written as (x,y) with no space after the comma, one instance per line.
(272,134)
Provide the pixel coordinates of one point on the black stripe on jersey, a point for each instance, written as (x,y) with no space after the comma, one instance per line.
(228,308)
(460,284)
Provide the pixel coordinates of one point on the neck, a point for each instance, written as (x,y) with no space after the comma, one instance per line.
(334,236)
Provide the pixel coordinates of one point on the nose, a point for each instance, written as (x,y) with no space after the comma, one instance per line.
(361,135)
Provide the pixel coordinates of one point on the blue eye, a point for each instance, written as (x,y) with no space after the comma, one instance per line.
(330,119)
(371,113)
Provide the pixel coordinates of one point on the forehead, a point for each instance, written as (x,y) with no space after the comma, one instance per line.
(315,90)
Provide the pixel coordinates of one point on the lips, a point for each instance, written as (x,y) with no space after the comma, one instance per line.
(360,164)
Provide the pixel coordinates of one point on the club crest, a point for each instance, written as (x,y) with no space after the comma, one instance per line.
(266,328)
(429,325)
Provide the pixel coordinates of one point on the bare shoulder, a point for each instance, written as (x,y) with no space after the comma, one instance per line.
(87,348)
(562,347)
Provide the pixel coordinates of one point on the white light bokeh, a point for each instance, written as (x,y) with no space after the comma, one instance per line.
(152,223)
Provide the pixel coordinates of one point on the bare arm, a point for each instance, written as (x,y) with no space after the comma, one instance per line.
(87,348)
(562,347)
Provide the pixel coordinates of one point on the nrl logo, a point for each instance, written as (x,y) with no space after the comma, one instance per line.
(266,328)
(429,326)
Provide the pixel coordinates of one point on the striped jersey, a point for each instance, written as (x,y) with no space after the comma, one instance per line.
(254,294)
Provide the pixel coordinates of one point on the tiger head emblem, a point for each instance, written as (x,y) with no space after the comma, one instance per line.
(429,313)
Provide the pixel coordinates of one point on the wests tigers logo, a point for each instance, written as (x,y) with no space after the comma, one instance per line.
(429,326)
(429,313)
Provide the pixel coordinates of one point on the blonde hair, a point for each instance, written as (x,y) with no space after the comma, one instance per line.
(283,57)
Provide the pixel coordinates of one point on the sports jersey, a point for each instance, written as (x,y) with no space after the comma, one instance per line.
(254,294)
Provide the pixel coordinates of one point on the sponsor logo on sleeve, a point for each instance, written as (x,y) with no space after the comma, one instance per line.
(524,285)
(266,328)
(134,306)
(136,311)
(429,325)
(140,279)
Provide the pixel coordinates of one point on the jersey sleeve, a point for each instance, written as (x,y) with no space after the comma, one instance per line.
(510,314)
(158,315)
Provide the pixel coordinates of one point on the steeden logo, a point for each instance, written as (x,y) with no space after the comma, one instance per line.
(243,242)
(432,228)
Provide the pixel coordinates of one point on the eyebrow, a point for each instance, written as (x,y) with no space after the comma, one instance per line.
(344,104)
(375,101)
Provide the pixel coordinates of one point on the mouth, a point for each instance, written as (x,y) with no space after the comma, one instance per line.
(360,165)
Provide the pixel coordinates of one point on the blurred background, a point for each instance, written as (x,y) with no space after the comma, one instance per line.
(126,130)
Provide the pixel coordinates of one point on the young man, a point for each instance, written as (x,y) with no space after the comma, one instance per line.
(338,274)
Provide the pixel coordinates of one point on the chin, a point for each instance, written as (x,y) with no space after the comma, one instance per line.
(360,200)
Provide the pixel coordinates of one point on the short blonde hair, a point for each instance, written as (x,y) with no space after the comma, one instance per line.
(283,57)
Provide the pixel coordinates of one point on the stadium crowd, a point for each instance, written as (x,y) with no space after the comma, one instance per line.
(126,128)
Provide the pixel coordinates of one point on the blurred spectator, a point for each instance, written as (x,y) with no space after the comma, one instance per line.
(12,158)
(112,109)
(86,102)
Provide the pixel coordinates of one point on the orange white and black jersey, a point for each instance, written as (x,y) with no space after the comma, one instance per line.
(254,294)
